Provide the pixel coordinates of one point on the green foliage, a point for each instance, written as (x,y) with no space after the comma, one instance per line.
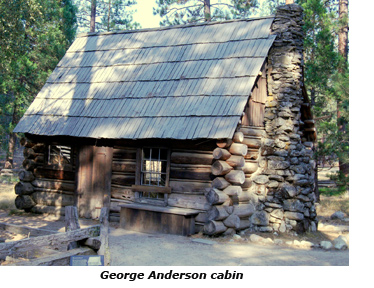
(177,12)
(340,190)
(118,12)
(327,81)
(34,36)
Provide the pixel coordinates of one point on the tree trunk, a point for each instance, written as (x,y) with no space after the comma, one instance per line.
(343,51)
(93,15)
(207,14)
(12,141)
(108,28)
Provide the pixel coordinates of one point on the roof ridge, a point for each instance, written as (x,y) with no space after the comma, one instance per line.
(89,34)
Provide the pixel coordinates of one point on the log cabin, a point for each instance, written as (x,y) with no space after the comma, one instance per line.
(201,127)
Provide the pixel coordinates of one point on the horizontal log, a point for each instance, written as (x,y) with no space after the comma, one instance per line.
(123,179)
(220,168)
(224,143)
(252,154)
(45,209)
(39,159)
(39,147)
(53,199)
(53,191)
(54,184)
(191,158)
(41,172)
(217,212)
(29,164)
(238,137)
(232,190)
(189,186)
(247,182)
(24,202)
(23,188)
(26,176)
(252,132)
(198,202)
(29,153)
(221,154)
(26,142)
(46,240)
(236,161)
(191,172)
(123,166)
(201,217)
(216,196)
(236,177)
(124,153)
(244,210)
(233,221)
(244,196)
(252,142)
(238,149)
(220,183)
(214,227)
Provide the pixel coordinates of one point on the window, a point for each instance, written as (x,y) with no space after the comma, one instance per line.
(154,172)
(59,155)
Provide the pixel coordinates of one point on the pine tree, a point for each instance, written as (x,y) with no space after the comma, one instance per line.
(177,12)
(105,15)
(34,37)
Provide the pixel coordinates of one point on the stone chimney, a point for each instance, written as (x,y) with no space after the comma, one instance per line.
(286,161)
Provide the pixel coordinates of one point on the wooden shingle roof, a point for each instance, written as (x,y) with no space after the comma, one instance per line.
(179,82)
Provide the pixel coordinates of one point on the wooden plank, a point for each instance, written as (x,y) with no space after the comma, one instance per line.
(56,259)
(41,172)
(168,210)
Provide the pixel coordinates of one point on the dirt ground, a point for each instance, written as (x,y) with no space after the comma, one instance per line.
(129,248)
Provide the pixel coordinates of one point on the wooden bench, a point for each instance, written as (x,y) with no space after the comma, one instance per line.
(158,219)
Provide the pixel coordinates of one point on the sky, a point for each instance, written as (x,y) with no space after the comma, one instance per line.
(144,14)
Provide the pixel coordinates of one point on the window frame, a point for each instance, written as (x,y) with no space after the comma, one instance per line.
(59,166)
(140,188)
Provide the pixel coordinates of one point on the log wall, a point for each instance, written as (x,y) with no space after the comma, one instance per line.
(190,176)
(235,162)
(44,188)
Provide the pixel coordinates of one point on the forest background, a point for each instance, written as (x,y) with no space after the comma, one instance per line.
(35,34)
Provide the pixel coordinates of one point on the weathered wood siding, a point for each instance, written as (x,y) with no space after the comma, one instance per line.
(255,108)
(189,177)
